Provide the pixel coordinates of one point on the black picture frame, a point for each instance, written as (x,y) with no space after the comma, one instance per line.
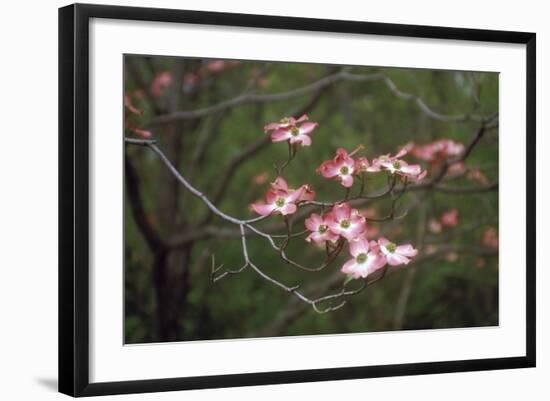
(74,198)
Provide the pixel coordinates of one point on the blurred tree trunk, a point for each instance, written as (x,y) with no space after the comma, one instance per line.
(171,268)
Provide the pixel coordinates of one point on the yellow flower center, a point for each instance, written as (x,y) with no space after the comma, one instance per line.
(345,223)
(323,228)
(294,131)
(344,170)
(391,247)
(280,202)
(361,258)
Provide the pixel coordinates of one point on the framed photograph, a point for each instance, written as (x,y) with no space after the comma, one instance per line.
(250,199)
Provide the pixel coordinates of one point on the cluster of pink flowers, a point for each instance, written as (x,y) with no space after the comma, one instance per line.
(343,167)
(342,222)
(436,151)
(213,67)
(474,174)
(367,256)
(295,131)
(441,150)
(164,79)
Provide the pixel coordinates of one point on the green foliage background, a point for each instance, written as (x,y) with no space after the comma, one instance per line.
(444,293)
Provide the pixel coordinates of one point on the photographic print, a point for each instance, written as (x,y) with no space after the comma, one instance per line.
(268,199)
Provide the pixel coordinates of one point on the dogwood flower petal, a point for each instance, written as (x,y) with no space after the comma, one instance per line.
(358,245)
(307,127)
(342,167)
(347,181)
(295,131)
(313,222)
(342,211)
(263,209)
(396,254)
(328,169)
(319,229)
(280,135)
(302,139)
(294,196)
(363,265)
(279,184)
(288,208)
(344,221)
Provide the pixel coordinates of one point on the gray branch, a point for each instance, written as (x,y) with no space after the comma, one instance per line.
(315,86)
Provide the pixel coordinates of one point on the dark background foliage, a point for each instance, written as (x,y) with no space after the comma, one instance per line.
(168,292)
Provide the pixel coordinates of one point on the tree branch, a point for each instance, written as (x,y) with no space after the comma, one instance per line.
(245,225)
(323,82)
(210,231)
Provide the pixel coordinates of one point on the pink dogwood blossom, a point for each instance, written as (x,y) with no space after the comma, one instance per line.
(342,168)
(362,165)
(285,123)
(395,165)
(345,221)
(366,258)
(396,254)
(450,218)
(277,202)
(320,231)
(437,151)
(307,193)
(292,130)
(280,199)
